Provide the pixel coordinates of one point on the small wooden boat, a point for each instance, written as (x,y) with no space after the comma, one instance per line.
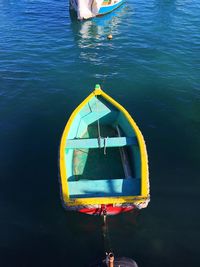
(103,159)
(86,9)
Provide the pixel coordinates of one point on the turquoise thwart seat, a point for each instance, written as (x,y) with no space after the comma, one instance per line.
(102,142)
(104,188)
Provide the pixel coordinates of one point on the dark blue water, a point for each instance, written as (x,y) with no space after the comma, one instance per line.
(48,63)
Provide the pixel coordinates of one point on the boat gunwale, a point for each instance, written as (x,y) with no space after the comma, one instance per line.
(144,160)
(111,6)
(114,4)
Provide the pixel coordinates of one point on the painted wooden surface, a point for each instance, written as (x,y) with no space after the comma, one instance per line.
(106,187)
(85,167)
(102,142)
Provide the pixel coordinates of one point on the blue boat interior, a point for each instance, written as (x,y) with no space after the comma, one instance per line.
(102,154)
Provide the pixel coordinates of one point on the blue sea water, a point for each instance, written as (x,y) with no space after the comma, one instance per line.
(49,62)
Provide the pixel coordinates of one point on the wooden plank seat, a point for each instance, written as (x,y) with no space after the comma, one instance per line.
(103,142)
(104,188)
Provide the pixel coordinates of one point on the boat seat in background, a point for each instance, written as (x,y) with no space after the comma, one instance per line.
(104,188)
(94,142)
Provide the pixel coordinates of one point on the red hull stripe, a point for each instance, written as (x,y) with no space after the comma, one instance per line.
(106,209)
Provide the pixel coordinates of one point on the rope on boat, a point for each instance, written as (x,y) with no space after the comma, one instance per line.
(105,144)
(98,127)
(99,134)
(99,131)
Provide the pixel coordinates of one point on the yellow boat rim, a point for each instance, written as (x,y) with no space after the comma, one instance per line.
(144,160)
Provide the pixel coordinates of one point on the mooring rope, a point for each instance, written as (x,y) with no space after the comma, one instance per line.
(104,79)
(106,235)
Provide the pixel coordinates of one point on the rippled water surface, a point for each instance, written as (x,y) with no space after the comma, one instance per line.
(48,63)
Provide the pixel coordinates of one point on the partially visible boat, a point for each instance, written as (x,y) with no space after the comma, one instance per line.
(103,159)
(86,9)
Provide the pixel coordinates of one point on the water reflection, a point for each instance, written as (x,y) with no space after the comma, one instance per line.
(94,49)
(93,31)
